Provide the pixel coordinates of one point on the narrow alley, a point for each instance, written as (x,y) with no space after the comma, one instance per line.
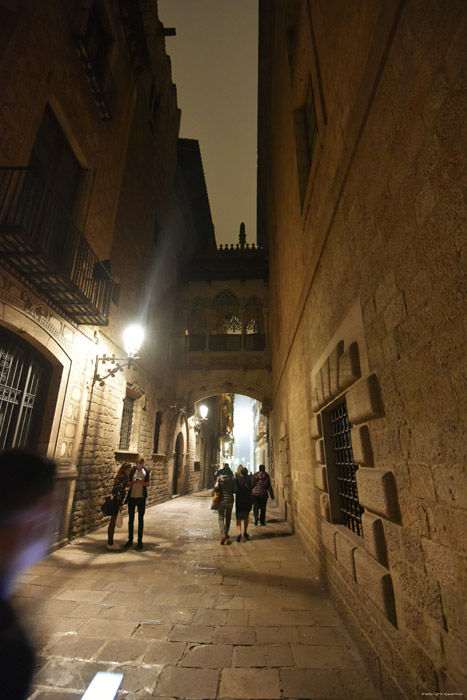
(186,618)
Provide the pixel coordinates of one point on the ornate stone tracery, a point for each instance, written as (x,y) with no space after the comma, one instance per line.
(225,300)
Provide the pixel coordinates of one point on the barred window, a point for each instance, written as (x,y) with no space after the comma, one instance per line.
(345,468)
(24,379)
(127,422)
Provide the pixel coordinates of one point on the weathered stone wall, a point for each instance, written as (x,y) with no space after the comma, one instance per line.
(193,480)
(371,277)
(128,164)
(100,454)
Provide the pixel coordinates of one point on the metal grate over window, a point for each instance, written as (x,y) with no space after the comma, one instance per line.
(345,469)
(127,422)
(23,383)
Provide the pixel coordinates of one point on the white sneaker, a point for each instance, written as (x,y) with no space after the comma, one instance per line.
(113,547)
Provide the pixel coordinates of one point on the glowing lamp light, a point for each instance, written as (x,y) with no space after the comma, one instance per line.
(203,412)
(133,337)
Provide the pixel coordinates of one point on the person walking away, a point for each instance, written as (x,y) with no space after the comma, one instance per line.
(261,490)
(227,486)
(136,499)
(243,503)
(119,491)
(27,520)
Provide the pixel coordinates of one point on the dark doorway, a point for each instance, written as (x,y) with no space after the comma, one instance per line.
(178,466)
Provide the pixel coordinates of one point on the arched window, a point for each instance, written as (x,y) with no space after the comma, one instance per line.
(225,300)
(252,326)
(230,325)
(254,335)
(228,334)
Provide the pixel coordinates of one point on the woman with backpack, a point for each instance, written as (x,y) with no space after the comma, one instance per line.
(226,485)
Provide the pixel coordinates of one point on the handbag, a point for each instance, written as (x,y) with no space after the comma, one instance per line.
(216,497)
(119,520)
(110,506)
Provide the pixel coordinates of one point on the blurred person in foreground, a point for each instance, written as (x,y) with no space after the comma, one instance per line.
(26,526)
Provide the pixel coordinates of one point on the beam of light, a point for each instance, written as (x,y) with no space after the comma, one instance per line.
(243,429)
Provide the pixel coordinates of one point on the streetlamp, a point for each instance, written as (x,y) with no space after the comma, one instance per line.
(132,338)
(200,417)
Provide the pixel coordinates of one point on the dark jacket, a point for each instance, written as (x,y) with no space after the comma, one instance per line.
(119,489)
(243,498)
(16,656)
(262,485)
(227,486)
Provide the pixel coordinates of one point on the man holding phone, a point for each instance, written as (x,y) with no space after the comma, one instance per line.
(136,499)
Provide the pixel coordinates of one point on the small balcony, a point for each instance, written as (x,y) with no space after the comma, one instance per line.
(92,48)
(224,342)
(40,241)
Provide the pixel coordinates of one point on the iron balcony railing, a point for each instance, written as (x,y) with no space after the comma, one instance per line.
(91,48)
(223,342)
(42,243)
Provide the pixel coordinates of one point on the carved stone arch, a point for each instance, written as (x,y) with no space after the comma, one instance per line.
(229,324)
(225,300)
(204,389)
(254,324)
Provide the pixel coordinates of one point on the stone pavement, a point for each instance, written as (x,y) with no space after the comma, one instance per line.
(187,618)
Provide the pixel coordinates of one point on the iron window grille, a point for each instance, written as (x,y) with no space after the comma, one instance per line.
(345,468)
(127,422)
(24,379)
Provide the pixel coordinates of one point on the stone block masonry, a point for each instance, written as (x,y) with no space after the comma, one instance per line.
(381,225)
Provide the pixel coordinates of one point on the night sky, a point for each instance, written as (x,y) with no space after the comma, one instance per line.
(214,66)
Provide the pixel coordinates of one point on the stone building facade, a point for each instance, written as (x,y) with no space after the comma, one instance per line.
(88,165)
(362,180)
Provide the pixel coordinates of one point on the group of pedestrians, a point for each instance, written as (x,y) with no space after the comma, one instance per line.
(247,493)
(131,484)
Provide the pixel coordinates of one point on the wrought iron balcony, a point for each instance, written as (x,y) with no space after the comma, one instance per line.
(224,342)
(91,48)
(40,240)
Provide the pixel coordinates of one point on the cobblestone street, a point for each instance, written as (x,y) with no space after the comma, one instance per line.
(186,618)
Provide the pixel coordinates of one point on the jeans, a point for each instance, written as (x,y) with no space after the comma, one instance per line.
(140,504)
(225,515)
(259,509)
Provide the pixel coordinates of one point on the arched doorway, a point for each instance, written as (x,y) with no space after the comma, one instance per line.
(178,466)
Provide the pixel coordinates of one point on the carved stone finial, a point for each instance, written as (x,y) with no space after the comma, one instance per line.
(242,235)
